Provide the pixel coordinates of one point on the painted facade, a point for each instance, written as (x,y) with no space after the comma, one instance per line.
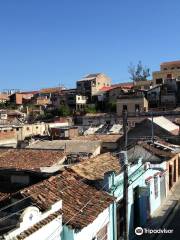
(98,228)
(143,200)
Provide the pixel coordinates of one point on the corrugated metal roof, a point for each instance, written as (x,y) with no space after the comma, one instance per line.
(165,123)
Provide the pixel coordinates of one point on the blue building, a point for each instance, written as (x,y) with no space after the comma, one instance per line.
(106,171)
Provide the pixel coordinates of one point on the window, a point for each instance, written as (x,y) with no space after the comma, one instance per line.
(124,107)
(169,75)
(159,81)
(27,128)
(165,69)
(137,107)
(36,127)
(156,186)
(172,68)
(93,83)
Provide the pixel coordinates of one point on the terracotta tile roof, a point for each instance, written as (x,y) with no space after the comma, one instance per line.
(170,63)
(74,195)
(29,159)
(4,196)
(160,152)
(103,138)
(94,168)
(51,90)
(4,96)
(105,89)
(38,225)
(127,85)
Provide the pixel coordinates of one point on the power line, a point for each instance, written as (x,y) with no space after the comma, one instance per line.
(31,195)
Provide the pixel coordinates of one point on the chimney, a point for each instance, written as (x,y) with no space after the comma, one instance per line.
(108,180)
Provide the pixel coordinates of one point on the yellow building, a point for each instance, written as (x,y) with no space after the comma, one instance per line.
(168,70)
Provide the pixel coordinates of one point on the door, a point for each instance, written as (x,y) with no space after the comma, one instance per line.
(170,176)
(120,220)
(162,188)
(174,175)
(136,206)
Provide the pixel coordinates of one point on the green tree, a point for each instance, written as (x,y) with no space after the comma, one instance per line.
(90,109)
(64,111)
(139,72)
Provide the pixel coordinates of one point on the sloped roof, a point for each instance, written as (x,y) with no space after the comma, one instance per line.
(166,124)
(94,168)
(4,196)
(171,63)
(51,90)
(68,145)
(27,159)
(157,149)
(128,85)
(92,75)
(38,225)
(102,138)
(75,196)
(105,89)
(4,96)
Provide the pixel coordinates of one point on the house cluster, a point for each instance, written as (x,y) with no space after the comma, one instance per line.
(63,179)
(162,92)
(70,186)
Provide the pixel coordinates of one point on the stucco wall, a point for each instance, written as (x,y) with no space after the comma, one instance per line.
(90,231)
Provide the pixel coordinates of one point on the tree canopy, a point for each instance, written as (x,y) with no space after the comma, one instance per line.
(139,72)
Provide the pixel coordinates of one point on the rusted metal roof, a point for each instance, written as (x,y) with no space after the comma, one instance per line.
(94,168)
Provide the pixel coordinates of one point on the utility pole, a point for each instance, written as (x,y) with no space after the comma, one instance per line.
(123,156)
(152,127)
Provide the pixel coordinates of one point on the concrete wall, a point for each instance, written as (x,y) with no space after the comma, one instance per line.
(29,130)
(163,74)
(89,232)
(8,137)
(131,104)
(52,230)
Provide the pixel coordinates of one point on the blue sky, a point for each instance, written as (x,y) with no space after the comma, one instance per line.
(44,43)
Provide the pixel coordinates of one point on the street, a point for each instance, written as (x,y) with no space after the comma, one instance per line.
(175,225)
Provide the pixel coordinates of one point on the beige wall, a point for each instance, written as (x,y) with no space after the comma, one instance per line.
(143,84)
(163,74)
(29,130)
(95,84)
(101,81)
(131,103)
